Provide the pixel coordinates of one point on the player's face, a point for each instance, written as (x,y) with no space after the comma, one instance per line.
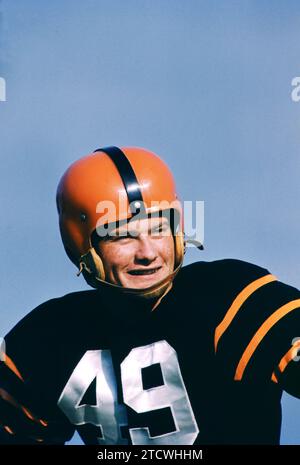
(140,258)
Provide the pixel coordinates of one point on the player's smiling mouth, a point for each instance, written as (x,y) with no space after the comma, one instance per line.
(144,272)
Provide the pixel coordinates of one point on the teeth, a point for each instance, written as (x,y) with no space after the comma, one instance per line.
(142,272)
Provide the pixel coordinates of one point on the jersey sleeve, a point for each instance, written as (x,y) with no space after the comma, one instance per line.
(19,423)
(258,336)
(28,374)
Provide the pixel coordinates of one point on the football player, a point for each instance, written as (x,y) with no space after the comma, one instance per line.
(156,353)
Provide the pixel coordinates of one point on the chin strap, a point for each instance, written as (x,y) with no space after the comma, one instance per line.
(169,287)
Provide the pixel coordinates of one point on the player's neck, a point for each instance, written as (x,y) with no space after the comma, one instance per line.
(121,300)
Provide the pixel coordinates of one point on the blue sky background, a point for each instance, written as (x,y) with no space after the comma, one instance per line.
(205,84)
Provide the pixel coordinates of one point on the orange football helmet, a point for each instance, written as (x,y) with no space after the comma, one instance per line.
(134,181)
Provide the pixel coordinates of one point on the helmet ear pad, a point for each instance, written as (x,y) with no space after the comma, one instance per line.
(92,267)
(175,219)
(179,245)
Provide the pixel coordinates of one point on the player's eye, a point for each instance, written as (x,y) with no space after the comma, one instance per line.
(159,229)
(121,237)
(116,236)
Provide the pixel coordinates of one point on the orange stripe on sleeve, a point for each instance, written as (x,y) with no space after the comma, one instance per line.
(273,378)
(10,364)
(43,423)
(260,334)
(290,355)
(28,413)
(8,429)
(10,399)
(238,302)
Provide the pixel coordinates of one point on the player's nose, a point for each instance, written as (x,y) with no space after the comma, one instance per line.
(145,251)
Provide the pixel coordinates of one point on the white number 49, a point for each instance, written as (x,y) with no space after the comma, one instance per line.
(109,416)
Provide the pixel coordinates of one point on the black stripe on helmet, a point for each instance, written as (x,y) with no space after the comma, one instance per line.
(131,184)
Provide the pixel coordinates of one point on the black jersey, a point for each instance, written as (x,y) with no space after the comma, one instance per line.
(207,366)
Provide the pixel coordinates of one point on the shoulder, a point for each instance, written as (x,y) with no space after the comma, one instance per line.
(54,314)
(215,285)
(225,272)
(36,341)
(222,265)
